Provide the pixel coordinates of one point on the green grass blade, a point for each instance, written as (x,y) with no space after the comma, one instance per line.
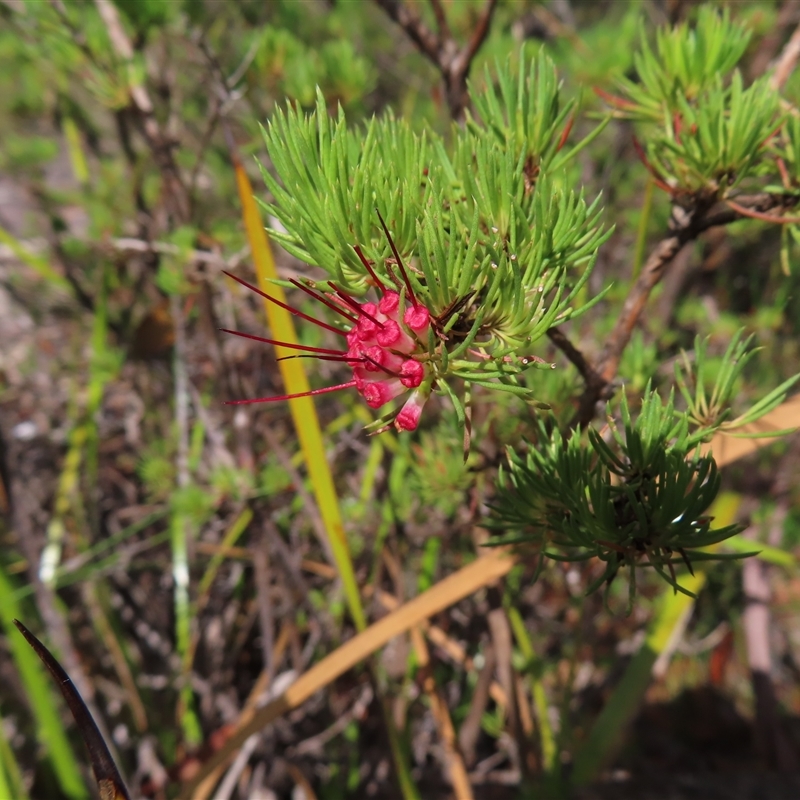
(548,739)
(35,262)
(237,528)
(42,700)
(11,784)
(772,555)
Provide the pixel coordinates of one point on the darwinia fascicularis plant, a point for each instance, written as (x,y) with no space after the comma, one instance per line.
(474,252)
(483,249)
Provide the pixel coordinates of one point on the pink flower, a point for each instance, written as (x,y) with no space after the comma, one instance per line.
(387,354)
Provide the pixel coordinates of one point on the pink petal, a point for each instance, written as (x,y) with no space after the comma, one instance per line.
(393,336)
(380,392)
(389,302)
(417,318)
(411,373)
(408,417)
(376,358)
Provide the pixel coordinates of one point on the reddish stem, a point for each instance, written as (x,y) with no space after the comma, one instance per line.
(787,183)
(563,140)
(657,179)
(612,99)
(677,124)
(748,212)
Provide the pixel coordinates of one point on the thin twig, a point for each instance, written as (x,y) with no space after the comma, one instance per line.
(419,33)
(786,62)
(266,615)
(160,145)
(239,72)
(471,726)
(441,19)
(452,61)
(464,60)
(131,245)
(315,745)
(587,371)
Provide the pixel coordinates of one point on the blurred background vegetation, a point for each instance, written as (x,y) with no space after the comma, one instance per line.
(164,544)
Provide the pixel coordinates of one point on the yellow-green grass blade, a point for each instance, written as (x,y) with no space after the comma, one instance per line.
(546,735)
(237,528)
(76,157)
(5,785)
(81,460)
(180,531)
(772,555)
(11,783)
(40,696)
(607,734)
(68,483)
(37,263)
(90,566)
(400,757)
(302,409)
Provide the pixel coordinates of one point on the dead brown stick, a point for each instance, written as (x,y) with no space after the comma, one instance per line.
(481,572)
(454,760)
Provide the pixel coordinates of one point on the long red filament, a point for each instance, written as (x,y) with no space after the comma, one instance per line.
(307,348)
(402,269)
(289,308)
(369,269)
(342,359)
(322,299)
(354,304)
(325,390)
(380,366)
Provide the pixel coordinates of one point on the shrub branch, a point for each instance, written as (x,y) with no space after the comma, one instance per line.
(686,226)
(441,48)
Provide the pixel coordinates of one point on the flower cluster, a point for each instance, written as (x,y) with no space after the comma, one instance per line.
(384,350)
(387,342)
